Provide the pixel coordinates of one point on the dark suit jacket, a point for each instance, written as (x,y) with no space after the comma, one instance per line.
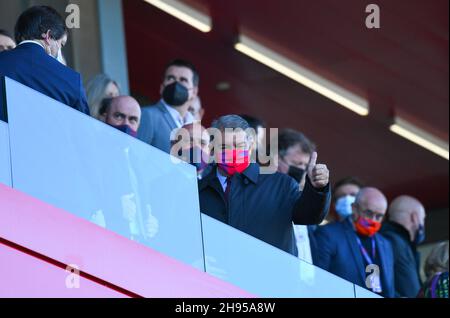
(156,126)
(338,252)
(407,277)
(30,65)
(264,205)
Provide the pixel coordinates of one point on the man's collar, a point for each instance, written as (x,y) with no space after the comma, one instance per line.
(31,41)
(188,117)
(252,172)
(400,229)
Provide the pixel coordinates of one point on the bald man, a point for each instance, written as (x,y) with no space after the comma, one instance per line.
(405,230)
(122,112)
(354,250)
(6,41)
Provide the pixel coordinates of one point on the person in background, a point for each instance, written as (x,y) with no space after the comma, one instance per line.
(41,34)
(354,250)
(98,88)
(122,112)
(259,126)
(6,41)
(436,271)
(295,151)
(405,230)
(261,205)
(294,154)
(192,148)
(196,109)
(178,90)
(344,194)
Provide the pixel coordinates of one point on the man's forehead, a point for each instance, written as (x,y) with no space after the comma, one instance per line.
(347,188)
(126,106)
(296,150)
(373,203)
(180,71)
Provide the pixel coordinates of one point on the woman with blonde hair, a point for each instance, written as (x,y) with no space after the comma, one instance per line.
(99,88)
(436,270)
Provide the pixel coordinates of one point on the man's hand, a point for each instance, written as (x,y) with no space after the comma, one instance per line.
(318,173)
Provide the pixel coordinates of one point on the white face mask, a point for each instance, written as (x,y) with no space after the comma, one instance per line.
(343,206)
(60,57)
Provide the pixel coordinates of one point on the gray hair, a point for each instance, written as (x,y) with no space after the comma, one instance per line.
(230,121)
(95,91)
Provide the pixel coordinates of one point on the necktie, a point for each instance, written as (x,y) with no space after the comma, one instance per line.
(228,188)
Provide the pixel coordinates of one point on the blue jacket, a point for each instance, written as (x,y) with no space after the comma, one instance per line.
(264,205)
(156,126)
(337,251)
(30,65)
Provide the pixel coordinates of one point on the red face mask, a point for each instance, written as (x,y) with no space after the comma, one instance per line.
(366,227)
(233,161)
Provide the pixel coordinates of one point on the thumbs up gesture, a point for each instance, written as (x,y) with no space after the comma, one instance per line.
(318,173)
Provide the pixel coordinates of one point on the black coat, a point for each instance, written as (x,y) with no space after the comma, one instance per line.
(406,260)
(264,205)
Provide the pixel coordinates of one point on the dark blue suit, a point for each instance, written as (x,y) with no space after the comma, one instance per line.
(30,65)
(337,251)
(264,205)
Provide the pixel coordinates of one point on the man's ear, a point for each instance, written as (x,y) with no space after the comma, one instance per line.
(161,89)
(46,36)
(194,92)
(253,143)
(415,219)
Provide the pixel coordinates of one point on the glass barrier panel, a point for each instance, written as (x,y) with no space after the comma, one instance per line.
(5,163)
(94,171)
(262,269)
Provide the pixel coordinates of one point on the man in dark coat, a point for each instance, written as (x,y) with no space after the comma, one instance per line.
(262,205)
(405,230)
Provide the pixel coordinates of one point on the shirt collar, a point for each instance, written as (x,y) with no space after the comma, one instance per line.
(222,179)
(400,229)
(31,41)
(179,121)
(250,173)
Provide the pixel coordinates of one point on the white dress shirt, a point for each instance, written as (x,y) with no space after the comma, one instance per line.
(179,121)
(222,179)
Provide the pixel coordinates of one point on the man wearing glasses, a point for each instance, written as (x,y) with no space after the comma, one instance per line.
(354,250)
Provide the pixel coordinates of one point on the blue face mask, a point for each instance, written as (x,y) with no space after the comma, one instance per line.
(126,129)
(343,206)
(420,235)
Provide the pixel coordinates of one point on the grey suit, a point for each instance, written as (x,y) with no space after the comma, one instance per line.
(156,126)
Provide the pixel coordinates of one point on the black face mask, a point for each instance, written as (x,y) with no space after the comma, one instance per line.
(175,94)
(296,173)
